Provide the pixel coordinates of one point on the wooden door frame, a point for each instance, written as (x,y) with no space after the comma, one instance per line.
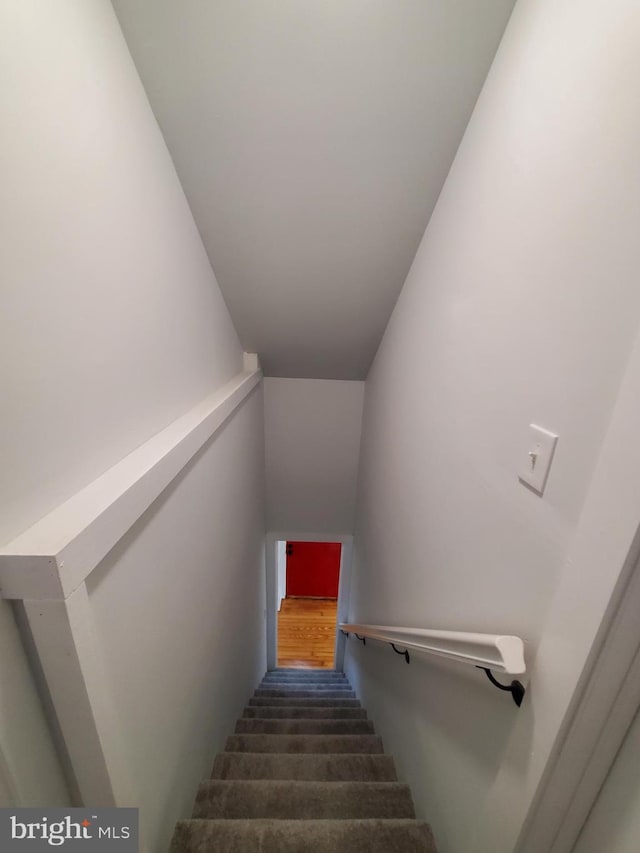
(344,586)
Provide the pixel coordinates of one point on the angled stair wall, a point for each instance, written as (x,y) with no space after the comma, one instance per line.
(304,771)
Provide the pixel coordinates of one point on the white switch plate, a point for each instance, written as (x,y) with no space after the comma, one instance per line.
(537,461)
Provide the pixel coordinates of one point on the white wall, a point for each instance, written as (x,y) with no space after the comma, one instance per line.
(113,326)
(521,306)
(312,439)
(614,822)
(112,321)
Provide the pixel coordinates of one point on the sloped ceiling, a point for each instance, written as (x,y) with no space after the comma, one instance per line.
(312,138)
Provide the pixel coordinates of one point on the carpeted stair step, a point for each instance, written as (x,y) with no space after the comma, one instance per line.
(304,727)
(294,836)
(302,702)
(286,679)
(306,693)
(268,712)
(304,743)
(306,673)
(241,799)
(308,670)
(344,767)
(316,684)
(301,676)
(302,685)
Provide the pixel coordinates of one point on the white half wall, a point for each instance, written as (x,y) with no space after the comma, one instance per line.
(312,441)
(521,307)
(179,618)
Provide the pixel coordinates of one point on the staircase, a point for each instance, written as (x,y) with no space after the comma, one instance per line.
(303,773)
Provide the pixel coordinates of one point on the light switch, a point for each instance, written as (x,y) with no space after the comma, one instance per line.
(537,461)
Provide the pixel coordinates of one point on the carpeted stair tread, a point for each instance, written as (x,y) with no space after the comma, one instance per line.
(319,685)
(303,702)
(341,767)
(306,693)
(295,836)
(314,676)
(315,679)
(304,685)
(268,712)
(304,727)
(304,743)
(311,685)
(285,799)
(307,670)
(287,680)
(300,673)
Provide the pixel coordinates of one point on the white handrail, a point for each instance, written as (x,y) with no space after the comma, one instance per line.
(500,652)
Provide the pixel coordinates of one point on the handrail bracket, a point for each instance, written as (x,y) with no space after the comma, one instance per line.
(516,688)
(405,653)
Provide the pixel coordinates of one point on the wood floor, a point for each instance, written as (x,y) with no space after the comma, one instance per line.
(307,632)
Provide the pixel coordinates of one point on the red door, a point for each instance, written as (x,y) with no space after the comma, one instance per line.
(313,569)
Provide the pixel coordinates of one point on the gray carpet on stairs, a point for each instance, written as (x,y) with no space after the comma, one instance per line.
(266,712)
(289,682)
(344,767)
(303,773)
(303,702)
(240,799)
(306,691)
(326,675)
(304,743)
(304,727)
(296,836)
(337,678)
